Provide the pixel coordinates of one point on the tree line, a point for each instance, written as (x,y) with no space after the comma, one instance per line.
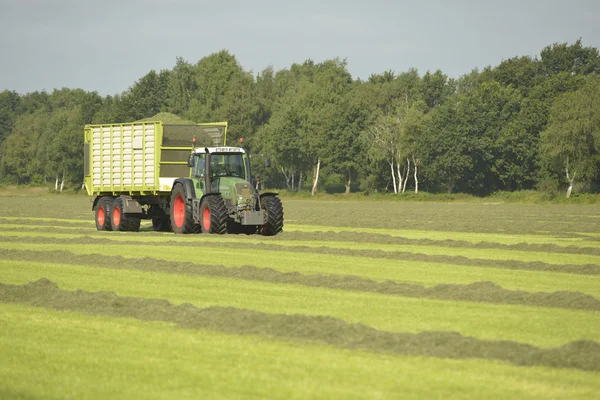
(527,123)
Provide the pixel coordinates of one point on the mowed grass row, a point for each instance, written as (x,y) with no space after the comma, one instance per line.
(80,351)
(579,239)
(54,354)
(475,253)
(539,326)
(425,273)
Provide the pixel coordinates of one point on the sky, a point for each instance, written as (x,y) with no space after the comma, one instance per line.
(107,45)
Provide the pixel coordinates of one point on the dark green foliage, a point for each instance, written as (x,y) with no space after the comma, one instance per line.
(146,97)
(477,134)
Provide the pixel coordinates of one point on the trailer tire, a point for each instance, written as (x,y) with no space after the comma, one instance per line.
(119,221)
(213,214)
(272,205)
(182,218)
(102,214)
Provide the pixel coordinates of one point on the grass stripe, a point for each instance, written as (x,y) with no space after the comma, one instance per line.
(346,237)
(584,355)
(471,237)
(393,251)
(380,270)
(541,327)
(68,355)
(487,292)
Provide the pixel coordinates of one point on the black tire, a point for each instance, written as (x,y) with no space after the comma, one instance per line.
(213,215)
(102,214)
(161,224)
(182,218)
(119,221)
(274,209)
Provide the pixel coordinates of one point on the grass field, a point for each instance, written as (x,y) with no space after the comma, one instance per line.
(355,299)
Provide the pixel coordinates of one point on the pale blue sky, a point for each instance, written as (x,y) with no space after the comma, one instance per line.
(108,45)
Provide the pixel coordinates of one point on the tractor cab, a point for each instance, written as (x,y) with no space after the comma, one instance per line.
(215,168)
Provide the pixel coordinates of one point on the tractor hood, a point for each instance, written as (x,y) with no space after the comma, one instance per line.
(238,191)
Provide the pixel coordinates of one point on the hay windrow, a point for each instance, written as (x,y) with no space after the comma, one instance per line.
(50,224)
(580,269)
(362,237)
(486,292)
(582,354)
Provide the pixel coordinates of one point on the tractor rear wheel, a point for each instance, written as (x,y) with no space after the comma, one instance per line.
(119,221)
(102,214)
(213,214)
(274,209)
(182,219)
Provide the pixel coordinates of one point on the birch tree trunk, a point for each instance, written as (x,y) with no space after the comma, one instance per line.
(416,164)
(393,175)
(287,178)
(300,182)
(316,182)
(62,183)
(56,183)
(571,179)
(348,182)
(293,183)
(399,178)
(407,172)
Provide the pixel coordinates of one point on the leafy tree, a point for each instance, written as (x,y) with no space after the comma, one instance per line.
(213,76)
(436,88)
(461,143)
(346,154)
(391,138)
(181,88)
(22,149)
(32,102)
(9,103)
(571,141)
(522,73)
(572,59)
(146,97)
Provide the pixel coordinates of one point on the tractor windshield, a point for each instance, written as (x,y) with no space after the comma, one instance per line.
(229,164)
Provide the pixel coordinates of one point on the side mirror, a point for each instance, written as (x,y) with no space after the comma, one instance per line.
(191,161)
(268,162)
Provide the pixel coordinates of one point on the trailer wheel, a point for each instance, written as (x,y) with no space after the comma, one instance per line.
(119,221)
(213,215)
(102,214)
(272,205)
(182,219)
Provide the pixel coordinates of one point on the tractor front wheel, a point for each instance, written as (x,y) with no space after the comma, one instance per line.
(213,214)
(274,209)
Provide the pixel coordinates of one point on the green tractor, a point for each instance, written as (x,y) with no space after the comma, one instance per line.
(219,197)
(181,176)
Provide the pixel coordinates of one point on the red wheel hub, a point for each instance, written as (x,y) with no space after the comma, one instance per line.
(206,218)
(116,216)
(101,216)
(179,211)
